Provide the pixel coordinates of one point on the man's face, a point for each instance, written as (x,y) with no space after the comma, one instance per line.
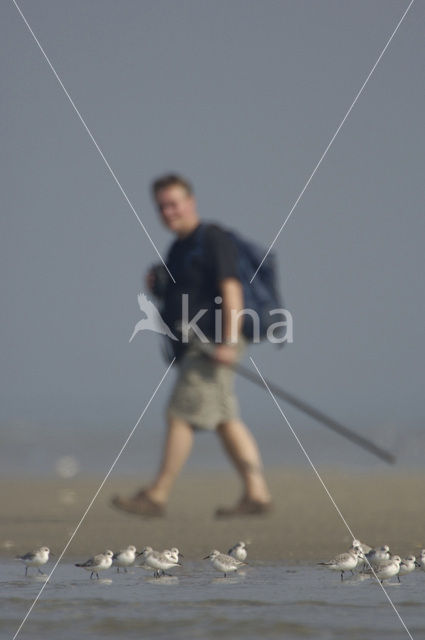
(177,209)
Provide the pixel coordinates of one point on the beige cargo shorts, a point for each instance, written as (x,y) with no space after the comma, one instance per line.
(203,393)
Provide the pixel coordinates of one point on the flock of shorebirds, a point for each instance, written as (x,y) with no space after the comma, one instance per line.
(367,561)
(158,561)
(374,562)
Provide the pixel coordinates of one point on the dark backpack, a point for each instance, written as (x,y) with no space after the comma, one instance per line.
(261,294)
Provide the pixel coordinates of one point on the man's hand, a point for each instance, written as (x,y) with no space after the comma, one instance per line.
(225,354)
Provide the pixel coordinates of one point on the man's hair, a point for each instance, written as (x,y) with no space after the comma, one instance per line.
(170,180)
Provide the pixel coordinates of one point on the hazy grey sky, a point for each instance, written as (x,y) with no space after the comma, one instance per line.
(243,97)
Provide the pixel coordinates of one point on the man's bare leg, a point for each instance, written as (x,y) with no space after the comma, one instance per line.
(151,500)
(177,447)
(242,448)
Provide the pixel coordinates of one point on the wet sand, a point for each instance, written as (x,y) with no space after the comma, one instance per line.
(384,507)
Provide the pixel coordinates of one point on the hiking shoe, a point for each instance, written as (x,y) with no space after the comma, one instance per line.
(140,505)
(245,507)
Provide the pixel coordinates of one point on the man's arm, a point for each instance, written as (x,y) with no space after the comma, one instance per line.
(232,302)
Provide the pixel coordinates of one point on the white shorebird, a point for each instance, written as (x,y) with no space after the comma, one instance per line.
(143,554)
(124,558)
(153,320)
(388,569)
(100,562)
(176,554)
(223,562)
(35,559)
(364,548)
(238,551)
(421,560)
(407,565)
(159,561)
(343,562)
(376,556)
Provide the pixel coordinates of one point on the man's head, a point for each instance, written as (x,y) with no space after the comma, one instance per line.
(174,197)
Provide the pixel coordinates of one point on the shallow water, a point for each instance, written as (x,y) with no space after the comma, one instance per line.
(266,602)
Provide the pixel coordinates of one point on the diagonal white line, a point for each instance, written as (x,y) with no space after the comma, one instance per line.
(328,492)
(171,276)
(322,157)
(93,499)
(92,138)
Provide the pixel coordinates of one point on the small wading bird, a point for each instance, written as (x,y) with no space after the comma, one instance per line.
(223,562)
(153,320)
(376,556)
(98,563)
(160,561)
(387,568)
(421,562)
(35,559)
(364,548)
(176,554)
(407,565)
(344,562)
(238,551)
(124,558)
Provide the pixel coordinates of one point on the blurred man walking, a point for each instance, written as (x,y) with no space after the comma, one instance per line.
(203,262)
